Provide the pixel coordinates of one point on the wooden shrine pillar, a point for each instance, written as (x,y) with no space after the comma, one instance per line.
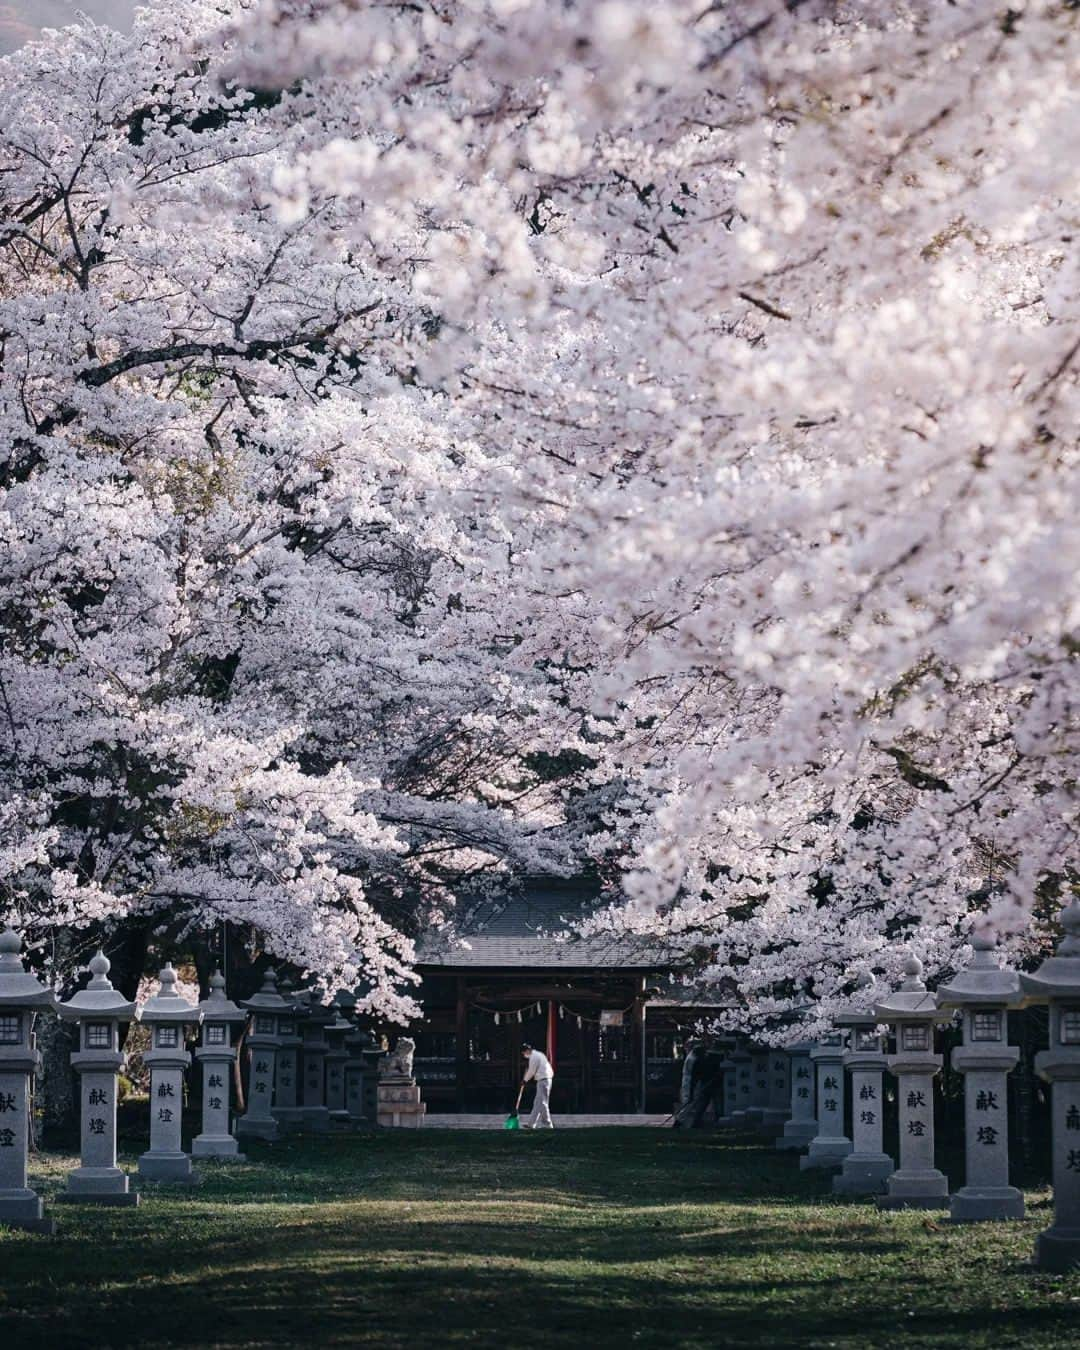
(461,1044)
(639,1041)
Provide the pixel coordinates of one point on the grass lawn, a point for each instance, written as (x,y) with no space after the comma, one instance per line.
(579,1238)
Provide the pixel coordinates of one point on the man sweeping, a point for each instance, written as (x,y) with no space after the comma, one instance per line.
(538,1069)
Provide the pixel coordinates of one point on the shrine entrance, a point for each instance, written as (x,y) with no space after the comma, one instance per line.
(468,1052)
(607,1011)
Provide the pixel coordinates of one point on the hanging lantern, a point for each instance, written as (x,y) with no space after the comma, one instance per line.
(496,1019)
(562,1011)
(579,1023)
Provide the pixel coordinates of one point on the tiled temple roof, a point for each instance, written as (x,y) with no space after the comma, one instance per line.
(528,930)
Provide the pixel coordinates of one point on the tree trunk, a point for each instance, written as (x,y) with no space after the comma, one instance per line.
(57,1086)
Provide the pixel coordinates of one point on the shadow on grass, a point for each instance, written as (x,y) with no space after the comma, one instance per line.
(591,1239)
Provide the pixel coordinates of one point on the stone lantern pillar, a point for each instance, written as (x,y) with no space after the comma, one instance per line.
(315,1114)
(217,1055)
(267,1010)
(744,1085)
(801,1126)
(1057,982)
(867,1167)
(728,1069)
(358,1074)
(723,1098)
(830,1146)
(98,1010)
(336,1058)
(169,1016)
(374,1058)
(759,1092)
(778,1106)
(912,1010)
(22,997)
(287,1109)
(983,992)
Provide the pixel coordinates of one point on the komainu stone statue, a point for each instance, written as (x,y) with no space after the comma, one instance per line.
(399,1096)
(399,1062)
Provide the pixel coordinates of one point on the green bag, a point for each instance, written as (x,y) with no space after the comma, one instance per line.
(512,1122)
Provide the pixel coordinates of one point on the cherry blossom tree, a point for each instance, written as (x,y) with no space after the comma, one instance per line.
(252,669)
(681,395)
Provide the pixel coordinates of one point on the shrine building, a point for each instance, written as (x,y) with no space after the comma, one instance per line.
(610,1014)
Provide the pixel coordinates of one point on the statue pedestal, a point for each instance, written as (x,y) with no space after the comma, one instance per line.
(400,1106)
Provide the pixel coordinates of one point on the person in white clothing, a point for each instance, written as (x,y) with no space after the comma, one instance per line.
(538,1068)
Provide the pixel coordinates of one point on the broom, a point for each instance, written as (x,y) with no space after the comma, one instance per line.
(512,1122)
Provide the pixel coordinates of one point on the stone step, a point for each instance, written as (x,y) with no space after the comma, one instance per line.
(469,1121)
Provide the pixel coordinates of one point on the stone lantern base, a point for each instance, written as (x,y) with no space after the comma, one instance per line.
(215,1146)
(910,1189)
(98,1186)
(175,1167)
(23,1209)
(973,1204)
(1058,1249)
(773,1121)
(289,1119)
(253,1129)
(826,1153)
(797,1134)
(863,1174)
(315,1119)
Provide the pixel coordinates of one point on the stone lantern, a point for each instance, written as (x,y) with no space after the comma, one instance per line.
(744,1085)
(983,992)
(778,1106)
(217,1053)
(268,1010)
(336,1058)
(98,1011)
(830,1146)
(867,1167)
(22,997)
(169,1016)
(912,1010)
(729,1070)
(1057,982)
(759,1093)
(287,1110)
(360,1074)
(723,1098)
(801,1126)
(314,1112)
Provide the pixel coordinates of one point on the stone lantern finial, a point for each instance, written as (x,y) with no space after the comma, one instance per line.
(1070,921)
(913,969)
(100,965)
(10,946)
